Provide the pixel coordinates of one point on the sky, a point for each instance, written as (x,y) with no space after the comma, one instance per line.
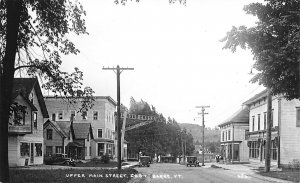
(176,54)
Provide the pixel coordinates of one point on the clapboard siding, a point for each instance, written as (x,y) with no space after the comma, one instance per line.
(290,134)
(12,150)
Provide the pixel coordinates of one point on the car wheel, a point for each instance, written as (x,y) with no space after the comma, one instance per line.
(67,163)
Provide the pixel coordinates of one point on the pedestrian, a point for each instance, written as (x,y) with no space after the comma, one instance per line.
(217,158)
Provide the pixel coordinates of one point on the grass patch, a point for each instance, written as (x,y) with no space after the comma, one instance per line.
(285,174)
(72,175)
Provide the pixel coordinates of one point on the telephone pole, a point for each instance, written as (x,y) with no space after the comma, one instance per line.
(118,70)
(203,127)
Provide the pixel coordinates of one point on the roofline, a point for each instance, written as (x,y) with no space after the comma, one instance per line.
(256,97)
(95,97)
(48,122)
(36,87)
(41,101)
(232,122)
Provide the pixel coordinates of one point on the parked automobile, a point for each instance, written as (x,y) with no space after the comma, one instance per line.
(192,161)
(59,159)
(144,161)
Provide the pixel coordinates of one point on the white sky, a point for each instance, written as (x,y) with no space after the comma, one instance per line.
(175,51)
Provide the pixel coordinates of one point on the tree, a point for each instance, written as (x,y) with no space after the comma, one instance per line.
(274,42)
(28,29)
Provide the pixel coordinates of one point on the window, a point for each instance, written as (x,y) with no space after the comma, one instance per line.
(223,134)
(253,121)
(90,150)
(84,115)
(229,134)
(258,122)
(53,117)
(49,150)
(253,150)
(100,149)
(34,119)
(49,134)
(265,120)
(60,115)
(85,151)
(31,97)
(24,149)
(99,133)
(73,113)
(246,134)
(297,117)
(19,117)
(273,150)
(38,149)
(95,115)
(88,138)
(272,117)
(58,149)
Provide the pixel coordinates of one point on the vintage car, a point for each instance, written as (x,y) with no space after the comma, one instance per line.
(59,159)
(192,161)
(144,161)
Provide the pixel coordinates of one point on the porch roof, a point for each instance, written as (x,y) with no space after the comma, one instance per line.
(76,144)
(104,140)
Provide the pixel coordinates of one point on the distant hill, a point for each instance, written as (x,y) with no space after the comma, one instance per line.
(210,135)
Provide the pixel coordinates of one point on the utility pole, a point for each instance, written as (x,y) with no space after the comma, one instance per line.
(203,127)
(182,151)
(118,71)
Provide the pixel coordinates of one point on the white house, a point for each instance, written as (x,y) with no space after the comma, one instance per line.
(25,131)
(233,131)
(285,143)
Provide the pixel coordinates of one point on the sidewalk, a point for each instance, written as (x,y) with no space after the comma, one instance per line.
(130,164)
(250,169)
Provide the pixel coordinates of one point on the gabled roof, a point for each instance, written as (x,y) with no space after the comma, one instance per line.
(240,116)
(56,127)
(33,108)
(64,126)
(24,86)
(81,130)
(256,97)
